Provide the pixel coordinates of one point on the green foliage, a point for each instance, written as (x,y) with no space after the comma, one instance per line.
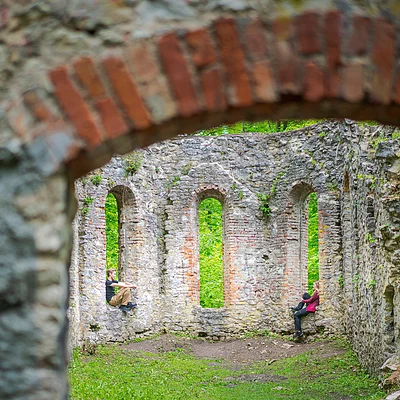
(211,263)
(172,182)
(133,163)
(186,168)
(356,280)
(371,284)
(313,258)
(112,248)
(332,187)
(88,201)
(117,373)
(264,206)
(265,198)
(260,127)
(96,180)
(370,238)
(340,281)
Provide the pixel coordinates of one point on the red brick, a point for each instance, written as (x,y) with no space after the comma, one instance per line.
(75,107)
(37,106)
(234,63)
(332,34)
(112,120)
(383,56)
(264,83)
(359,39)
(214,95)
(178,74)
(313,82)
(88,77)
(126,92)
(396,95)
(110,115)
(255,41)
(201,48)
(153,85)
(287,59)
(142,63)
(353,83)
(308,33)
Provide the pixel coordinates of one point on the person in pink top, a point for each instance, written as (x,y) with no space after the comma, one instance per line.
(312,304)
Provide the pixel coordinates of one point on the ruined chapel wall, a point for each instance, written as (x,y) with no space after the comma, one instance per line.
(260,274)
(371,247)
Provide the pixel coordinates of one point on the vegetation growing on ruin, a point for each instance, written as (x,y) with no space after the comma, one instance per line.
(210,248)
(133,163)
(264,198)
(260,127)
(87,202)
(96,179)
(118,373)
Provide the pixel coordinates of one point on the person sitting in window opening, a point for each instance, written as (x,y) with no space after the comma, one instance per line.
(312,304)
(123,296)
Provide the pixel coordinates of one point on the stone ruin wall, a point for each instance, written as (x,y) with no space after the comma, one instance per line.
(370,217)
(353,170)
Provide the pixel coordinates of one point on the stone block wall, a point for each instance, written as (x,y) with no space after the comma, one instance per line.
(371,244)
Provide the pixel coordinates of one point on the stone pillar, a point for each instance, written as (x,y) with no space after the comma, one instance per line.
(35,243)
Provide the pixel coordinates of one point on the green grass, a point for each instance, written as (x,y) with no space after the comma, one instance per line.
(114,373)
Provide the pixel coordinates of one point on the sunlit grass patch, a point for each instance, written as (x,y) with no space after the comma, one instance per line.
(117,373)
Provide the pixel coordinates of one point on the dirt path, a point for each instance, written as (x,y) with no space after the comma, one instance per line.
(238,351)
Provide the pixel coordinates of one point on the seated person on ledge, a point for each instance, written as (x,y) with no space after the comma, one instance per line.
(299,306)
(123,296)
(312,304)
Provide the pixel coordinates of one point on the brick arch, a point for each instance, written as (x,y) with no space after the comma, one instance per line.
(312,65)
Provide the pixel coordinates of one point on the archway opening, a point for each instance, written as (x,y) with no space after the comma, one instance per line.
(313,244)
(112,232)
(389,339)
(211,253)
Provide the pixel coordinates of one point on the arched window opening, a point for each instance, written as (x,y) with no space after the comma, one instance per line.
(211,254)
(389,331)
(121,239)
(313,247)
(112,232)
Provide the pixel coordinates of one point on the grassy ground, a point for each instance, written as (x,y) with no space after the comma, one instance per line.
(116,372)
